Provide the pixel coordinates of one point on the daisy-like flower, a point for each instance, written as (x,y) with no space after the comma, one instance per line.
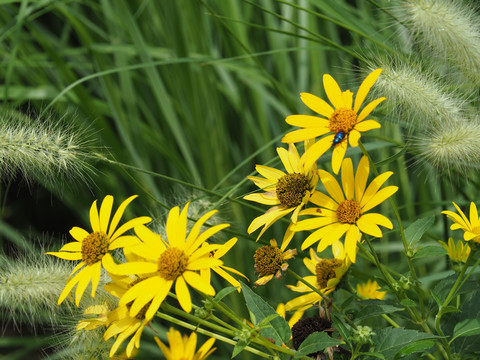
(457,253)
(270,261)
(223,270)
(369,290)
(341,122)
(120,323)
(471,229)
(183,348)
(345,212)
(162,263)
(326,274)
(285,192)
(94,248)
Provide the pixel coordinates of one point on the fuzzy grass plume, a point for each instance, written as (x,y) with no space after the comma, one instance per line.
(448,29)
(41,149)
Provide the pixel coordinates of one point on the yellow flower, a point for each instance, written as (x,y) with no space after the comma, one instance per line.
(369,290)
(471,228)
(342,120)
(160,263)
(287,193)
(327,273)
(270,262)
(94,248)
(220,270)
(459,252)
(183,348)
(120,323)
(346,211)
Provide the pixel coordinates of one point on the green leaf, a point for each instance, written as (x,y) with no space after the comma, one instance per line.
(224,292)
(417,346)
(375,308)
(390,341)
(280,330)
(370,354)
(239,346)
(467,327)
(429,251)
(416,230)
(316,341)
(408,302)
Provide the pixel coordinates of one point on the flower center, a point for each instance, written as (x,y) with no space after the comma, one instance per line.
(291,188)
(325,270)
(268,260)
(172,263)
(349,211)
(343,120)
(94,247)
(307,326)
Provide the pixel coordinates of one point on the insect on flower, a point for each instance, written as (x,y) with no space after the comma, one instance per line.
(339,136)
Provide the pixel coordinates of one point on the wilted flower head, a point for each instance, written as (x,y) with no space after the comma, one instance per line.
(457,252)
(270,261)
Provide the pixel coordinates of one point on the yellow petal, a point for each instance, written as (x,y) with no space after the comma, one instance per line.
(196,243)
(373,187)
(86,275)
(379,197)
(66,255)
(105,212)
(369,227)
(72,247)
(317,104)
(262,199)
(136,268)
(325,201)
(69,286)
(130,225)
(151,240)
(368,109)
(304,134)
(78,233)
(366,126)
(332,186)
(353,137)
(308,121)
(361,177)
(183,295)
(303,301)
(177,227)
(199,283)
(364,88)
(351,242)
(312,223)
(332,234)
(269,218)
(347,99)
(348,182)
(160,295)
(338,154)
(269,172)
(334,93)
(317,150)
(123,241)
(94,220)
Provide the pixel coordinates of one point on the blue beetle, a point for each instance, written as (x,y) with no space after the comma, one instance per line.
(339,136)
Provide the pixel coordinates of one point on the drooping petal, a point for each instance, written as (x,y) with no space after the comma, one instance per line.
(338,154)
(69,286)
(334,234)
(183,294)
(353,137)
(95,275)
(86,275)
(351,242)
(364,88)
(317,150)
(197,282)
(317,104)
(160,295)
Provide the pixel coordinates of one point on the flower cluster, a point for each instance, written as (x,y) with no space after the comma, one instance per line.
(154,266)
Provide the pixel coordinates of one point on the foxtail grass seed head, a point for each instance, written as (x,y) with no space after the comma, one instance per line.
(452,145)
(30,286)
(415,95)
(42,149)
(447,28)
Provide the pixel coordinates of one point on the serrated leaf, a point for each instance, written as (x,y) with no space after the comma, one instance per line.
(429,251)
(467,327)
(340,326)
(390,341)
(375,308)
(408,302)
(316,341)
(224,292)
(417,346)
(280,330)
(416,230)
